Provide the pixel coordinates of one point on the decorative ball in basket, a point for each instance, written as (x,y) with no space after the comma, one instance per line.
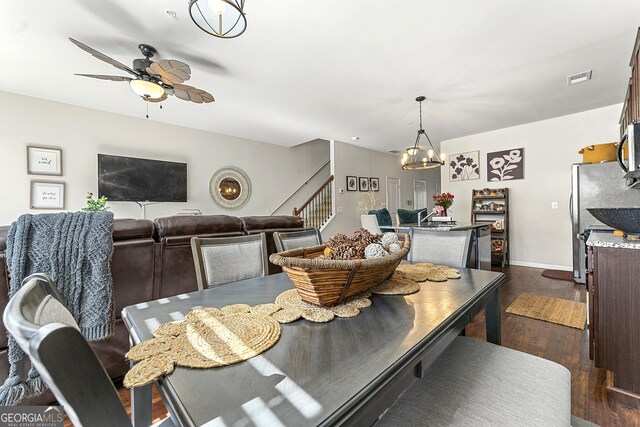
(344,266)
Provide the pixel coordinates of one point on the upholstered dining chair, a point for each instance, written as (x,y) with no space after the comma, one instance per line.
(451,248)
(43,327)
(297,239)
(220,260)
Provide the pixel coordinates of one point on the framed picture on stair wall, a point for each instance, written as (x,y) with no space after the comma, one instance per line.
(374,184)
(363,183)
(352,183)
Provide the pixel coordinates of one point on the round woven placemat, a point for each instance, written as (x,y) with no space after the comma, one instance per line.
(397,284)
(184,354)
(291,299)
(147,370)
(193,314)
(287,315)
(232,338)
(318,315)
(345,310)
(359,302)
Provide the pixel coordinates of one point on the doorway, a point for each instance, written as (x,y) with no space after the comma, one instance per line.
(419,194)
(393,197)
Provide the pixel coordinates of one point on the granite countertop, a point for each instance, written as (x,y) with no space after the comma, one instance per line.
(435,226)
(609,240)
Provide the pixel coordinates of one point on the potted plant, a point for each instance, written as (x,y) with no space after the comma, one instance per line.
(442,202)
(94,205)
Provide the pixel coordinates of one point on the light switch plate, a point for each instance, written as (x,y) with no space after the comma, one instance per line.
(339,209)
(554,205)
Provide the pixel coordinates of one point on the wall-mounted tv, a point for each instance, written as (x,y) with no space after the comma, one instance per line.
(129,179)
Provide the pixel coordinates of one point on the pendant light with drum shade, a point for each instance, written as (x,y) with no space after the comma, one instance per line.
(416,157)
(224,19)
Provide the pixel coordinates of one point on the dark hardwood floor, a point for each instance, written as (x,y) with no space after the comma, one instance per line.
(590,398)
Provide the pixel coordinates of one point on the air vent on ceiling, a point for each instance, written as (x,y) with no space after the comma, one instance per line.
(395,151)
(579,78)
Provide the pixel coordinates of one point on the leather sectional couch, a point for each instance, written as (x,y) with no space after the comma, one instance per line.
(151,260)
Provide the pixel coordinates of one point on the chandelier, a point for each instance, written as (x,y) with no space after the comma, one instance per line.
(416,157)
(224,19)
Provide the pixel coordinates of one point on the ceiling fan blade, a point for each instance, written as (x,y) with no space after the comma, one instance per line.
(101,56)
(171,71)
(193,94)
(104,77)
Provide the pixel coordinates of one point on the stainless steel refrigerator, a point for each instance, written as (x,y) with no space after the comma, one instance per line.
(595,185)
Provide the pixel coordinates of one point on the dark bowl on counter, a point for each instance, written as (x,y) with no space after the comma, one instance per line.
(626,220)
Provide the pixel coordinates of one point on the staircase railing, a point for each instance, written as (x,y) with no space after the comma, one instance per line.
(317,209)
(298,188)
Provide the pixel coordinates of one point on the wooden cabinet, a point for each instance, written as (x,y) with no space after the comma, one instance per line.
(614,313)
(492,208)
(631,108)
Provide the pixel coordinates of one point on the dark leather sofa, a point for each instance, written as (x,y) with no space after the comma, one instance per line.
(151,260)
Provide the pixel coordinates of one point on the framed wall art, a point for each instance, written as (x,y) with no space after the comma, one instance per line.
(374,184)
(464,166)
(363,183)
(44,161)
(47,195)
(352,183)
(505,165)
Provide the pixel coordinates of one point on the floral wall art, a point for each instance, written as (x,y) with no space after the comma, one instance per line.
(505,165)
(464,166)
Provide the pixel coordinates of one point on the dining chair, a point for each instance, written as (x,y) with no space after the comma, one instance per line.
(370,223)
(220,260)
(451,248)
(297,239)
(476,383)
(37,317)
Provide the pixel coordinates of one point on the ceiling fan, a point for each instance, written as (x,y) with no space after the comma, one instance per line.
(152,81)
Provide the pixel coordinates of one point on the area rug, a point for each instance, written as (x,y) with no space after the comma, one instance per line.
(553,310)
(567,276)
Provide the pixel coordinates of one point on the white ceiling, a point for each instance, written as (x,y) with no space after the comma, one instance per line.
(334,68)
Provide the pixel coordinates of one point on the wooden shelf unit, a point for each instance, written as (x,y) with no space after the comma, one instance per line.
(631,107)
(490,216)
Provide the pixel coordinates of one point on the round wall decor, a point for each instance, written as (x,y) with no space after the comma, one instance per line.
(230,188)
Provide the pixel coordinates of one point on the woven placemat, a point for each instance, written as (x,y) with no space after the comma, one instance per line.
(423,272)
(287,315)
(171,329)
(552,310)
(232,338)
(397,284)
(148,370)
(291,300)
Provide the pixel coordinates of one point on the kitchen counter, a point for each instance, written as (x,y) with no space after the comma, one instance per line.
(609,240)
(436,226)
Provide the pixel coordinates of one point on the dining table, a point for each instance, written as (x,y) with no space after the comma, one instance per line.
(344,372)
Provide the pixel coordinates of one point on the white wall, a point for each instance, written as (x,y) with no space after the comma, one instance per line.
(357,161)
(539,235)
(83,133)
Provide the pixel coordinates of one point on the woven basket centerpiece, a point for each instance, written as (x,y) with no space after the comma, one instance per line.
(325,282)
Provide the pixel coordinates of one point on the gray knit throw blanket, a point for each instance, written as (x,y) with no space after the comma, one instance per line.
(75,250)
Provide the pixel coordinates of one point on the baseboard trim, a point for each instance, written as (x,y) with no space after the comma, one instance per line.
(540,265)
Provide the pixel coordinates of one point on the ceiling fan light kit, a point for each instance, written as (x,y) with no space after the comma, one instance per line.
(153,81)
(146,89)
(224,19)
(415,158)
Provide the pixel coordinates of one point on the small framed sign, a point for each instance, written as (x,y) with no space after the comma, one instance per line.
(44,161)
(47,194)
(352,183)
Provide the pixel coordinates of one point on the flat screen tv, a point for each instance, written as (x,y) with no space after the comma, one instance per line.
(128,179)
